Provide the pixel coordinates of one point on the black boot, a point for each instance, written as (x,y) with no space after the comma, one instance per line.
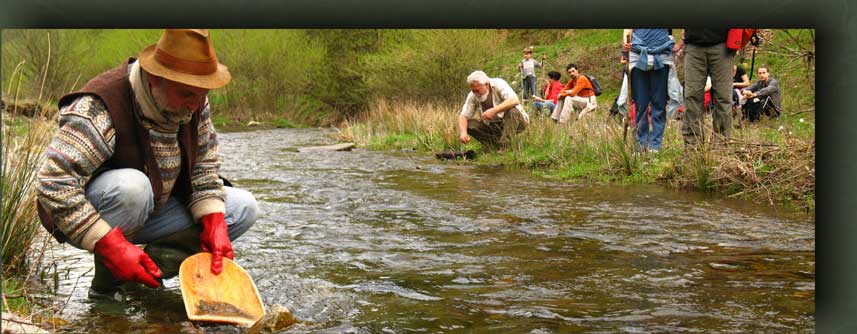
(104,286)
(169,252)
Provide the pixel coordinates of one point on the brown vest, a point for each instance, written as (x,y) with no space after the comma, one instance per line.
(132,148)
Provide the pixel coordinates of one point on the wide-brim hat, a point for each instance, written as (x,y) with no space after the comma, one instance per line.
(186,56)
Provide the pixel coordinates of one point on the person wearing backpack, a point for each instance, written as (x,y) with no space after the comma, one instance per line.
(578,95)
(706,54)
(650,58)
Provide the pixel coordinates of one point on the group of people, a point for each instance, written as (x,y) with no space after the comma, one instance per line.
(651,54)
(135,158)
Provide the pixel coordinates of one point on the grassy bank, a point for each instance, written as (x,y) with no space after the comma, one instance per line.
(771,162)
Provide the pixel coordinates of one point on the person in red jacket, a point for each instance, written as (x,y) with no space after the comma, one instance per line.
(551,92)
(135,161)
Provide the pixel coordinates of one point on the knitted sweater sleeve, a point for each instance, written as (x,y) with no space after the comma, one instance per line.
(208,195)
(85,140)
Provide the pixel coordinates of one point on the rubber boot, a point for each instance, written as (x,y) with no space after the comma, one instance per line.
(104,286)
(169,252)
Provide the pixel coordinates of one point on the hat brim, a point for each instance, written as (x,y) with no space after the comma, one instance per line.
(209,81)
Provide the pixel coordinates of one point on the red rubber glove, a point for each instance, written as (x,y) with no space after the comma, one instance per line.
(126,261)
(215,239)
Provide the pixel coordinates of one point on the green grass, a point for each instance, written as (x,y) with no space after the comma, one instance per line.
(219,120)
(15,296)
(285,123)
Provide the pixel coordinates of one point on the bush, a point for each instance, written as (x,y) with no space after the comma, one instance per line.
(431,64)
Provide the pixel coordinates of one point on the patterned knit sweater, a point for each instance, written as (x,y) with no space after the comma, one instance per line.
(86,139)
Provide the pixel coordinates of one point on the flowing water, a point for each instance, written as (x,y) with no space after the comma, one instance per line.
(381,242)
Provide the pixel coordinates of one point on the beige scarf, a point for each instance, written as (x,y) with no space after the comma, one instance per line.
(153,116)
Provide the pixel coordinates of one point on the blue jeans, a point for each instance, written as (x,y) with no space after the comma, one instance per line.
(540,105)
(123,197)
(650,87)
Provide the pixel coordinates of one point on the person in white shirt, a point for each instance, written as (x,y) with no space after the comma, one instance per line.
(492,112)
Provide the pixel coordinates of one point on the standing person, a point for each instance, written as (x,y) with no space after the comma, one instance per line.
(551,92)
(135,161)
(492,112)
(527,66)
(650,57)
(577,95)
(763,96)
(706,54)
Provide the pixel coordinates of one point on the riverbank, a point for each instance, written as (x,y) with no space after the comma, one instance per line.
(771,162)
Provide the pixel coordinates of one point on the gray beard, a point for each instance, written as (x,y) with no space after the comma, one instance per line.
(180,117)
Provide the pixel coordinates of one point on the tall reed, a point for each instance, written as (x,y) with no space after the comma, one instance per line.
(23,141)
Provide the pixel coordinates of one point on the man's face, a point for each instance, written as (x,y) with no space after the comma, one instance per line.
(177,99)
(572,72)
(763,74)
(479,89)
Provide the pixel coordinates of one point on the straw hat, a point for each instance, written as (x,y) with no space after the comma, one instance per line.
(186,56)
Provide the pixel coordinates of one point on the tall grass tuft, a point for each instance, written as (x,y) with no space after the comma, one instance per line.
(23,141)
(398,125)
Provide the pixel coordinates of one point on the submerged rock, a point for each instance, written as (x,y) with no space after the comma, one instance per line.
(13,324)
(335,147)
(277,319)
(454,155)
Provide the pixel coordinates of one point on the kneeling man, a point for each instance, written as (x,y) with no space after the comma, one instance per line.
(492,112)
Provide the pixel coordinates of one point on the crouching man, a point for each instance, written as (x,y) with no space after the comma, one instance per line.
(135,162)
(492,113)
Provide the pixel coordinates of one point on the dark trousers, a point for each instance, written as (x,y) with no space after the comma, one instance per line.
(754,108)
(497,133)
(699,63)
(529,87)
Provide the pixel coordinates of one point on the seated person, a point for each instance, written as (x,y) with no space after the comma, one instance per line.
(551,92)
(577,94)
(739,82)
(763,96)
(492,112)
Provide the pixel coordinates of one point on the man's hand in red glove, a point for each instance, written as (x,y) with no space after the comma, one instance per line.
(126,261)
(215,239)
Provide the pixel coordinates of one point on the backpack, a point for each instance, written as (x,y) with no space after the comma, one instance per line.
(596,86)
(738,38)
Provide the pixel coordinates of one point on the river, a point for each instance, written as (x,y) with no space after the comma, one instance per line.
(398,242)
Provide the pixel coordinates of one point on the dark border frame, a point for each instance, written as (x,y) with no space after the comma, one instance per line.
(834,21)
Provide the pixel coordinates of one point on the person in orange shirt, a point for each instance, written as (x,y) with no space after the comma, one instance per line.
(576,95)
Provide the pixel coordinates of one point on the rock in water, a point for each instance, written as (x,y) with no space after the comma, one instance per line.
(277,319)
(335,147)
(13,324)
(453,155)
